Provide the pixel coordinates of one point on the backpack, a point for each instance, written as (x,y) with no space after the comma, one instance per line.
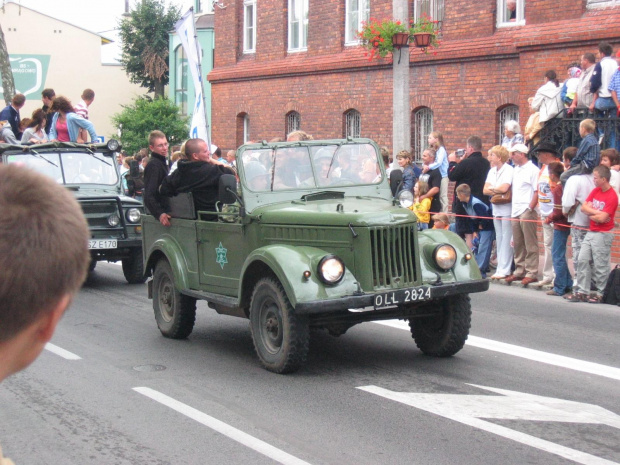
(611,294)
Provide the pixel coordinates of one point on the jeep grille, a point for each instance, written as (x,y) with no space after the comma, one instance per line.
(393,256)
(97,213)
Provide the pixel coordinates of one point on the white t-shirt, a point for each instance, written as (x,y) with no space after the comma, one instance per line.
(524,184)
(614,181)
(545,196)
(577,189)
(496,178)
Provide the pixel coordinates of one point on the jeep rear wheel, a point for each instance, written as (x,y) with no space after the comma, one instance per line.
(132,267)
(175,313)
(444,334)
(281,337)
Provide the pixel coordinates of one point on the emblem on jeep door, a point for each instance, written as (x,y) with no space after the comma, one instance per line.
(220,253)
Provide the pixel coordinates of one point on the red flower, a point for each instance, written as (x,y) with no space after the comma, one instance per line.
(398,22)
(382,39)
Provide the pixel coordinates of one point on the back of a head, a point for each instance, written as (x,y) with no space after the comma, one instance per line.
(475,143)
(18,100)
(43,247)
(193,146)
(605,48)
(88,94)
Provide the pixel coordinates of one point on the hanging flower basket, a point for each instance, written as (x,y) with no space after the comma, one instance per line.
(400,39)
(422,39)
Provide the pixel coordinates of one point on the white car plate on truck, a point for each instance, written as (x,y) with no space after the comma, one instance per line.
(403,296)
(102,244)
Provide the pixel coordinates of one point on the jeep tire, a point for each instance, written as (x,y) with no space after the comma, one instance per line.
(444,334)
(133,268)
(281,337)
(175,313)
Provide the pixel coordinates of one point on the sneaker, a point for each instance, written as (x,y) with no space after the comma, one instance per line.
(546,281)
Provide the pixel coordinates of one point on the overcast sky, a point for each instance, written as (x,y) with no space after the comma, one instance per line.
(100,16)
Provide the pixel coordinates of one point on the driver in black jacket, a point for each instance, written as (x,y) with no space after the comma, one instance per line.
(199,174)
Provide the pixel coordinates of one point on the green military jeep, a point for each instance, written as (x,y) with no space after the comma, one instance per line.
(91,172)
(315,240)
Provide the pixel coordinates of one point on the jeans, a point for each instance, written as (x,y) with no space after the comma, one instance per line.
(605,107)
(483,256)
(422,226)
(563,280)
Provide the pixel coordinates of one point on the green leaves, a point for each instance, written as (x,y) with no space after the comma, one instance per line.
(145,115)
(145,37)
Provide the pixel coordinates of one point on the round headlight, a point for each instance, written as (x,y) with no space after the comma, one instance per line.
(405,198)
(113,145)
(113,220)
(444,256)
(331,269)
(133,215)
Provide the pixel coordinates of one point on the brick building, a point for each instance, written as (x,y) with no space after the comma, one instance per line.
(276,68)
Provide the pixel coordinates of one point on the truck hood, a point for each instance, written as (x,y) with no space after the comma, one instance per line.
(357,211)
(82,192)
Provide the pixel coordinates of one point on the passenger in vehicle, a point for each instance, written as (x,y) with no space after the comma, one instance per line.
(199,174)
(256,176)
(67,123)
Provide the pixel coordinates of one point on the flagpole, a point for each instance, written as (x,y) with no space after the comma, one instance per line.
(202,87)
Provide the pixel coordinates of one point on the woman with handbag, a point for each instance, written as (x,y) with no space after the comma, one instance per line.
(498,188)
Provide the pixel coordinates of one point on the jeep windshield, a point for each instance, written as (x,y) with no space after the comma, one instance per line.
(70,167)
(310,166)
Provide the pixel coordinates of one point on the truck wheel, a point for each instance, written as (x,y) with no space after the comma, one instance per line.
(281,337)
(132,267)
(445,334)
(175,313)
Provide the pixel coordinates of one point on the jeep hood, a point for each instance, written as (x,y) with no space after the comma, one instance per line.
(357,211)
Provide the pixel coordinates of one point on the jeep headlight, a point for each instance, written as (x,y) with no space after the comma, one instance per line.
(444,256)
(331,269)
(133,215)
(405,198)
(113,145)
(114,220)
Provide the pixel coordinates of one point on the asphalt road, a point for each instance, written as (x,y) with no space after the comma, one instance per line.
(538,383)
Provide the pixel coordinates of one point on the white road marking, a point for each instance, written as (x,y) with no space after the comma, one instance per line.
(530,354)
(233,433)
(62,352)
(468,410)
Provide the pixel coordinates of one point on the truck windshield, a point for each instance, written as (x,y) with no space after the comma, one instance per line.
(299,168)
(70,167)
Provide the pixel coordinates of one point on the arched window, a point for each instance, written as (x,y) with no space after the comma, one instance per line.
(293,122)
(180,79)
(422,126)
(507,113)
(352,124)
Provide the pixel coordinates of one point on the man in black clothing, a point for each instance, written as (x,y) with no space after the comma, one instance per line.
(199,174)
(154,173)
(47,96)
(471,169)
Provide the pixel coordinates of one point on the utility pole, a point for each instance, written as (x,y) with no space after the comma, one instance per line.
(401,120)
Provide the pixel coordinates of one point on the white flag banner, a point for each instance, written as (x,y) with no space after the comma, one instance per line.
(185,30)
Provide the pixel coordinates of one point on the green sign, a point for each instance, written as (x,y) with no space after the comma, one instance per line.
(29,73)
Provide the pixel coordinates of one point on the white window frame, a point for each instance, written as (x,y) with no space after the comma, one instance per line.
(502,14)
(435,9)
(353,124)
(508,113)
(249,26)
(298,26)
(246,128)
(354,18)
(422,127)
(602,3)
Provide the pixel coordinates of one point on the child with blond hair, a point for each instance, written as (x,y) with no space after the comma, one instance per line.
(421,207)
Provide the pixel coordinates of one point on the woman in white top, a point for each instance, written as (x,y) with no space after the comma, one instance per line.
(499,181)
(35,132)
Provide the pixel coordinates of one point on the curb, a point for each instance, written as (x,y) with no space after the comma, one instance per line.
(538,286)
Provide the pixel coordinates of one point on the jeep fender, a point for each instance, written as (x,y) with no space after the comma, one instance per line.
(463,270)
(168,248)
(288,263)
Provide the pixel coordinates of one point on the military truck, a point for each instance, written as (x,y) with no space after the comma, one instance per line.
(311,237)
(91,172)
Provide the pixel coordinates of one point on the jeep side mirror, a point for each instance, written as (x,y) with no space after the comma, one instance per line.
(227,189)
(134,169)
(396,179)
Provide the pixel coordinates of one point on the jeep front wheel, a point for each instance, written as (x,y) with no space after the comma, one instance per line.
(133,268)
(445,333)
(175,313)
(281,337)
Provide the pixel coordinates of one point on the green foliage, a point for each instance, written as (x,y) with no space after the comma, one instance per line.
(145,115)
(144,34)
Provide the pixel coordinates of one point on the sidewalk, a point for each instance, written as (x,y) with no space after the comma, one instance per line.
(535,286)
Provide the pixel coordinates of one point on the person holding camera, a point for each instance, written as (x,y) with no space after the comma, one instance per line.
(471,168)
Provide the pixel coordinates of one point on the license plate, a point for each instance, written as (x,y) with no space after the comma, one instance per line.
(403,296)
(102,244)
